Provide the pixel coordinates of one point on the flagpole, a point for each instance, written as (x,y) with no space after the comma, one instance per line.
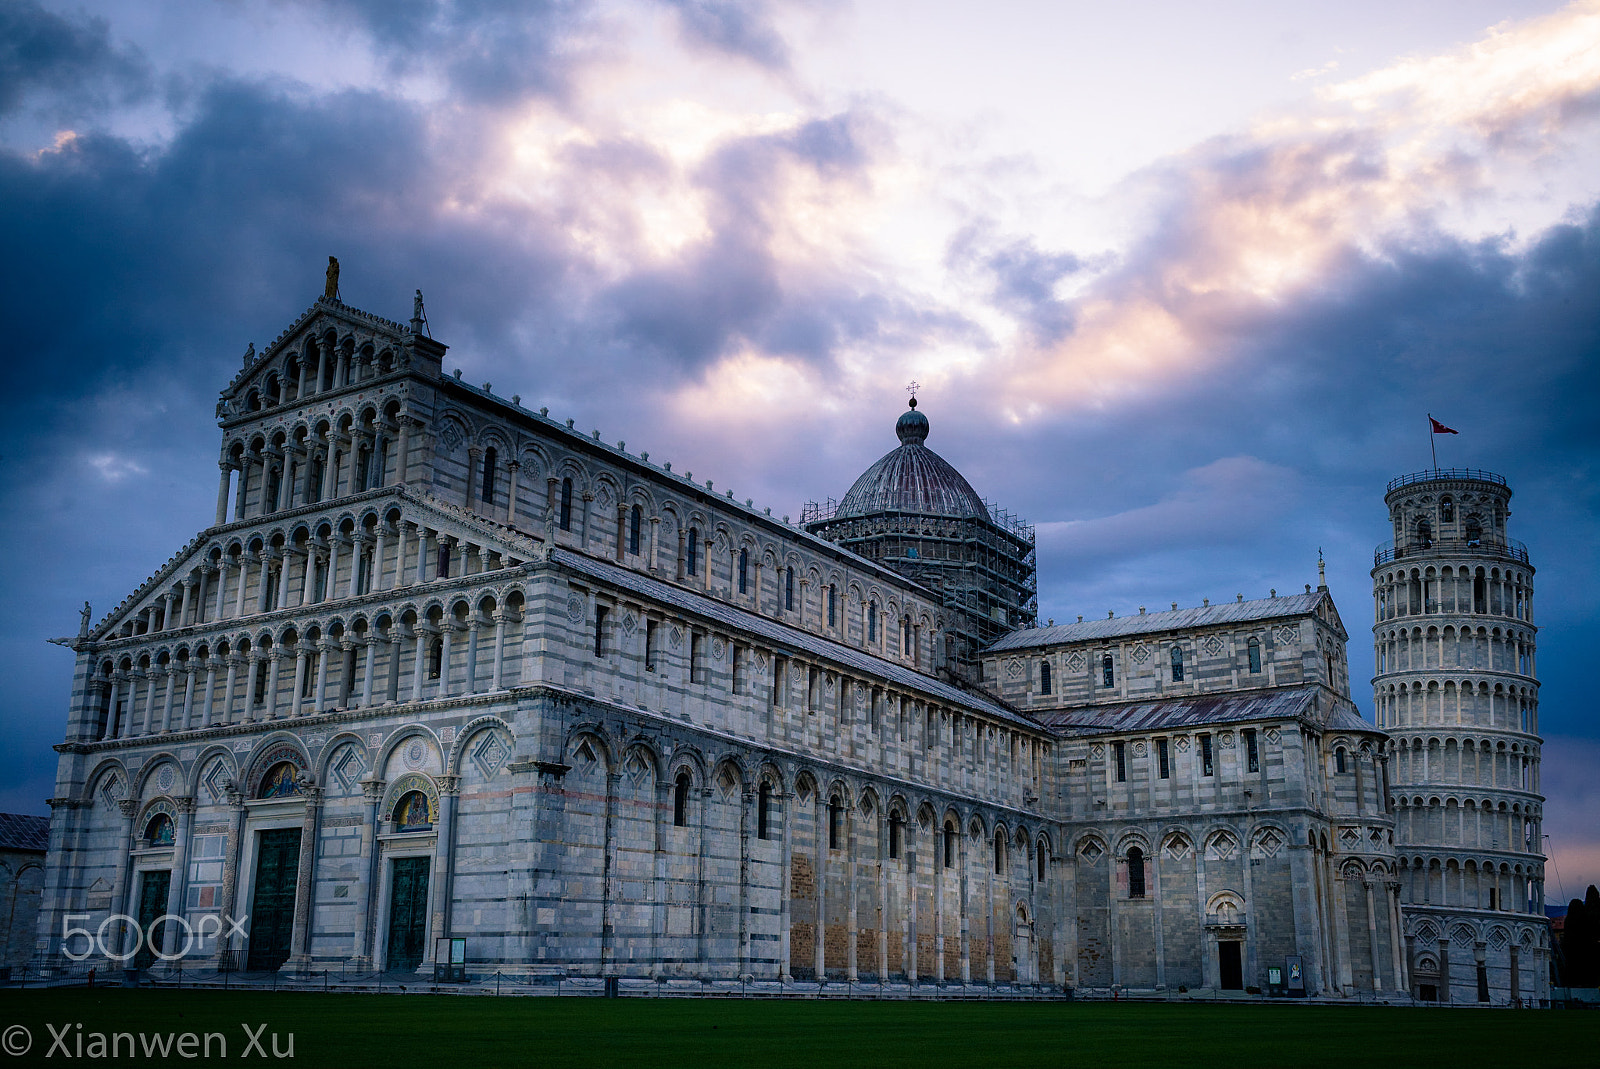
(1432,448)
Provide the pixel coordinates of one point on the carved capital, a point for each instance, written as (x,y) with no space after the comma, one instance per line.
(129,807)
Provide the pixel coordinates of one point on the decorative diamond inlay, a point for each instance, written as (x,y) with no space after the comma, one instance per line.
(490,753)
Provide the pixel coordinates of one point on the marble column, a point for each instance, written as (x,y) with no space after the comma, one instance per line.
(354,586)
(223,565)
(474,473)
(1372,937)
(283,580)
(513,468)
(824,827)
(322,676)
(169,673)
(473,627)
(121,891)
(372,791)
(188,696)
(271,706)
(180,875)
(440,888)
(419,637)
(370,645)
(391,642)
(113,729)
(403,453)
(305,882)
(499,651)
(244,482)
(446,629)
(785,893)
(227,692)
(301,663)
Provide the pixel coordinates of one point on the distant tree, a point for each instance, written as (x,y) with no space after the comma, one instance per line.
(1580,941)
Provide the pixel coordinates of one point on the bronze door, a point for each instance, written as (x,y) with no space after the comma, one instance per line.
(408,912)
(272,905)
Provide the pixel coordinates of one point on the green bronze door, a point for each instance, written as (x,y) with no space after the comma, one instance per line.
(272,905)
(153,889)
(408,912)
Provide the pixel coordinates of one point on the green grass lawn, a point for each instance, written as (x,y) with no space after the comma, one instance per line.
(347,1030)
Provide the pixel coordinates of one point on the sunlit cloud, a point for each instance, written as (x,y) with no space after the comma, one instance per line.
(1252,221)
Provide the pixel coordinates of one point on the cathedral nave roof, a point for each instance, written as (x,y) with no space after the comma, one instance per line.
(787,639)
(1273,703)
(1231,612)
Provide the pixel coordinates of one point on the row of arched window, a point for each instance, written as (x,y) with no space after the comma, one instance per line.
(1175,660)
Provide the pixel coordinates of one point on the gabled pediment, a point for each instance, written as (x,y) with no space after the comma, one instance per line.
(1330,614)
(312,345)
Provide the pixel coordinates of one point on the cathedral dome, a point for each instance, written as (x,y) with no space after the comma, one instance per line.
(912,478)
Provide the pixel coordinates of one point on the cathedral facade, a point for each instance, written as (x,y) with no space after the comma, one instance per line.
(449,681)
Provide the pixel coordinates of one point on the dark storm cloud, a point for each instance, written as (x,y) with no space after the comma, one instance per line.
(1318,406)
(63,65)
(489,51)
(742,29)
(1021,278)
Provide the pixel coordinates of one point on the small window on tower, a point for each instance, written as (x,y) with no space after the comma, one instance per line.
(680,801)
(635,521)
(1044,677)
(1108,674)
(565,515)
(692,557)
(486,491)
(1254,648)
(744,571)
(1447,511)
(1177,665)
(1135,872)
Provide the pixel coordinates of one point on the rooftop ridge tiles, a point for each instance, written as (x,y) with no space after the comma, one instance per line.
(1198,616)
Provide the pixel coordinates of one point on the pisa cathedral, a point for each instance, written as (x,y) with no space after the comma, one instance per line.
(447,672)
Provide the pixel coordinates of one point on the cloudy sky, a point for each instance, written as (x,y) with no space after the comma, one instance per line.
(1180,281)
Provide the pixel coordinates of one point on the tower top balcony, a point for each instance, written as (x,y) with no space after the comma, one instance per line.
(1500,549)
(1447,475)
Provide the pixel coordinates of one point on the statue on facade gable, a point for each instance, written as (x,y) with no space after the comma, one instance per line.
(331,290)
(249,354)
(83,620)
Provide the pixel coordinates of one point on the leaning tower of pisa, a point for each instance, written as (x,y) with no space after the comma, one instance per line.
(1455,688)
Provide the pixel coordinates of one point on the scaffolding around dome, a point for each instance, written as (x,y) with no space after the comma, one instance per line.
(913,512)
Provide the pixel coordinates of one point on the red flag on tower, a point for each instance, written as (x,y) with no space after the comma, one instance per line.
(1440,428)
